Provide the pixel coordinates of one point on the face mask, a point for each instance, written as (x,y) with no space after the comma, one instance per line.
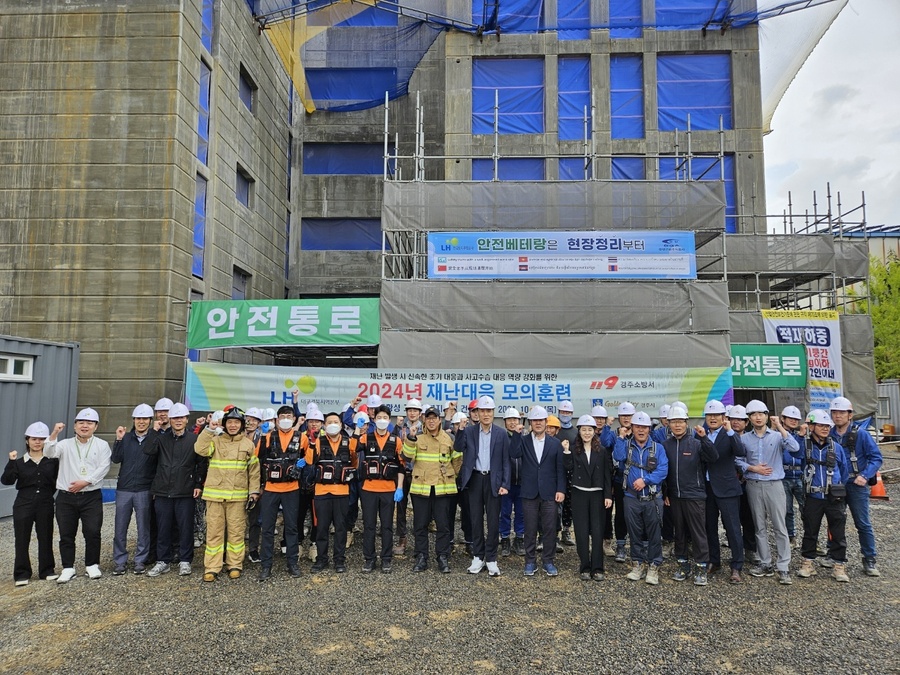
(285,424)
(332,429)
(265,427)
(565,419)
(381,425)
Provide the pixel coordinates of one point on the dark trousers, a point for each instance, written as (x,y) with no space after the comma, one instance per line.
(174,520)
(835,512)
(305,505)
(86,507)
(689,522)
(730,510)
(540,514)
(617,518)
(378,506)
(644,519)
(566,511)
(290,504)
(439,508)
(37,515)
(748,525)
(668,524)
(461,499)
(141,504)
(154,537)
(402,507)
(353,505)
(331,510)
(511,503)
(589,520)
(484,504)
(254,525)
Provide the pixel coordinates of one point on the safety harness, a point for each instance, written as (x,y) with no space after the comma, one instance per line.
(331,468)
(281,464)
(649,467)
(830,463)
(381,463)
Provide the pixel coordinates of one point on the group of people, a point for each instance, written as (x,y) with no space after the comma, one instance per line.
(521,487)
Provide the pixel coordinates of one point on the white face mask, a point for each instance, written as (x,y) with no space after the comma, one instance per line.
(381,425)
(285,424)
(332,429)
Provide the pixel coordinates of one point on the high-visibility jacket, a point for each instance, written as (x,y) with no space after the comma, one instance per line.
(233,467)
(437,463)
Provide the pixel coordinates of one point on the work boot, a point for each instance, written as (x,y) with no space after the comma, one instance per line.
(826,562)
(400,548)
(443,564)
(368,566)
(638,571)
(519,546)
(313,552)
(700,578)
(807,569)
(505,547)
(652,575)
(608,549)
(265,573)
(681,572)
(567,537)
(840,572)
(869,567)
(421,563)
(294,571)
(620,552)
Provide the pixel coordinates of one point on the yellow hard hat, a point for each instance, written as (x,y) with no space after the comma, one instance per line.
(553,421)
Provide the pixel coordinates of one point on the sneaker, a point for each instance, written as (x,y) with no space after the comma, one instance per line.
(638,571)
(386,568)
(762,571)
(620,553)
(421,563)
(93,571)
(827,562)
(869,568)
(313,553)
(253,557)
(198,542)
(559,547)
(264,574)
(443,564)
(551,570)
(184,569)
(234,574)
(807,569)
(139,568)
(118,570)
(840,572)
(21,582)
(476,566)
(530,569)
(652,575)
(209,577)
(66,576)
(567,537)
(598,576)
(368,567)
(505,547)
(753,558)
(519,545)
(158,568)
(585,576)
(700,578)
(681,572)
(51,577)
(340,569)
(784,578)
(608,549)
(493,569)
(540,546)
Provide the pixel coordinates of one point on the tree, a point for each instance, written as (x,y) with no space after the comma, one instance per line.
(884,296)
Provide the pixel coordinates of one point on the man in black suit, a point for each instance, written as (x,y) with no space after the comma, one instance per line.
(723,490)
(485,476)
(543,489)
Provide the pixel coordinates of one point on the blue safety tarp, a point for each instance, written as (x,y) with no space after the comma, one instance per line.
(628,168)
(374,16)
(340,234)
(698,85)
(574,168)
(626,95)
(199,234)
(687,14)
(705,168)
(511,16)
(520,85)
(625,18)
(573,19)
(574,96)
(344,88)
(510,168)
(343,159)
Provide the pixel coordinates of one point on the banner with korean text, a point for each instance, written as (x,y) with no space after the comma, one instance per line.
(820,333)
(768,366)
(210,386)
(562,255)
(268,323)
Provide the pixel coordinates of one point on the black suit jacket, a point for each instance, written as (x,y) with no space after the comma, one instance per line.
(467,443)
(545,478)
(723,478)
(594,474)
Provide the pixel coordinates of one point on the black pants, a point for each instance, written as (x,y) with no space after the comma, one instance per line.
(748,525)
(589,520)
(668,524)
(461,499)
(154,537)
(331,510)
(402,507)
(835,512)
(689,522)
(539,514)
(353,505)
(567,503)
(33,513)
(375,506)
(305,505)
(483,503)
(439,508)
(621,530)
(254,525)
(174,518)
(289,503)
(730,510)
(86,507)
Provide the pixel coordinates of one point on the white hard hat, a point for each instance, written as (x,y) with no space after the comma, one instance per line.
(664,410)
(675,413)
(315,415)
(37,430)
(793,412)
(640,419)
(252,412)
(163,404)
(714,407)
(680,404)
(599,411)
(143,411)
(179,410)
(414,403)
(737,412)
(756,406)
(586,421)
(269,414)
(361,419)
(217,416)
(819,416)
(566,406)
(88,415)
(625,408)
(373,401)
(457,418)
(312,405)
(511,413)
(485,403)
(538,412)
(841,403)
(345,407)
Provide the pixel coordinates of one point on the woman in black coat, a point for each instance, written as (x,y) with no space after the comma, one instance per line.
(591,469)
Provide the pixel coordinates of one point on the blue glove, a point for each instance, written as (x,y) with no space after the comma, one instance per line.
(266,427)
(398,494)
(301,463)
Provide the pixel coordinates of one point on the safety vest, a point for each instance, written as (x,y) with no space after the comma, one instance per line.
(281,465)
(331,468)
(381,463)
(830,463)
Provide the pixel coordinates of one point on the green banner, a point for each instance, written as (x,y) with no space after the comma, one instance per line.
(283,323)
(764,366)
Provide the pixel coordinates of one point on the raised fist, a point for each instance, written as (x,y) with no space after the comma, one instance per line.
(120,433)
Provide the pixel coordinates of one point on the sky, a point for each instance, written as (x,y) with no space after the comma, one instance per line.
(839,121)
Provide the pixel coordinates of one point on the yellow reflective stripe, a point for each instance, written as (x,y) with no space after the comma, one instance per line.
(213,550)
(228,464)
(440,489)
(430,457)
(235,548)
(254,460)
(213,493)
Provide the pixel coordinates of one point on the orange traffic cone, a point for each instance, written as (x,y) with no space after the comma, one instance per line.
(878,491)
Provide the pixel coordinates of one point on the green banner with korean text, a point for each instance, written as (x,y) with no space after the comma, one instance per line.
(765,366)
(284,323)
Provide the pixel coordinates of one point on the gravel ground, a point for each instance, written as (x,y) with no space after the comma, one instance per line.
(433,623)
